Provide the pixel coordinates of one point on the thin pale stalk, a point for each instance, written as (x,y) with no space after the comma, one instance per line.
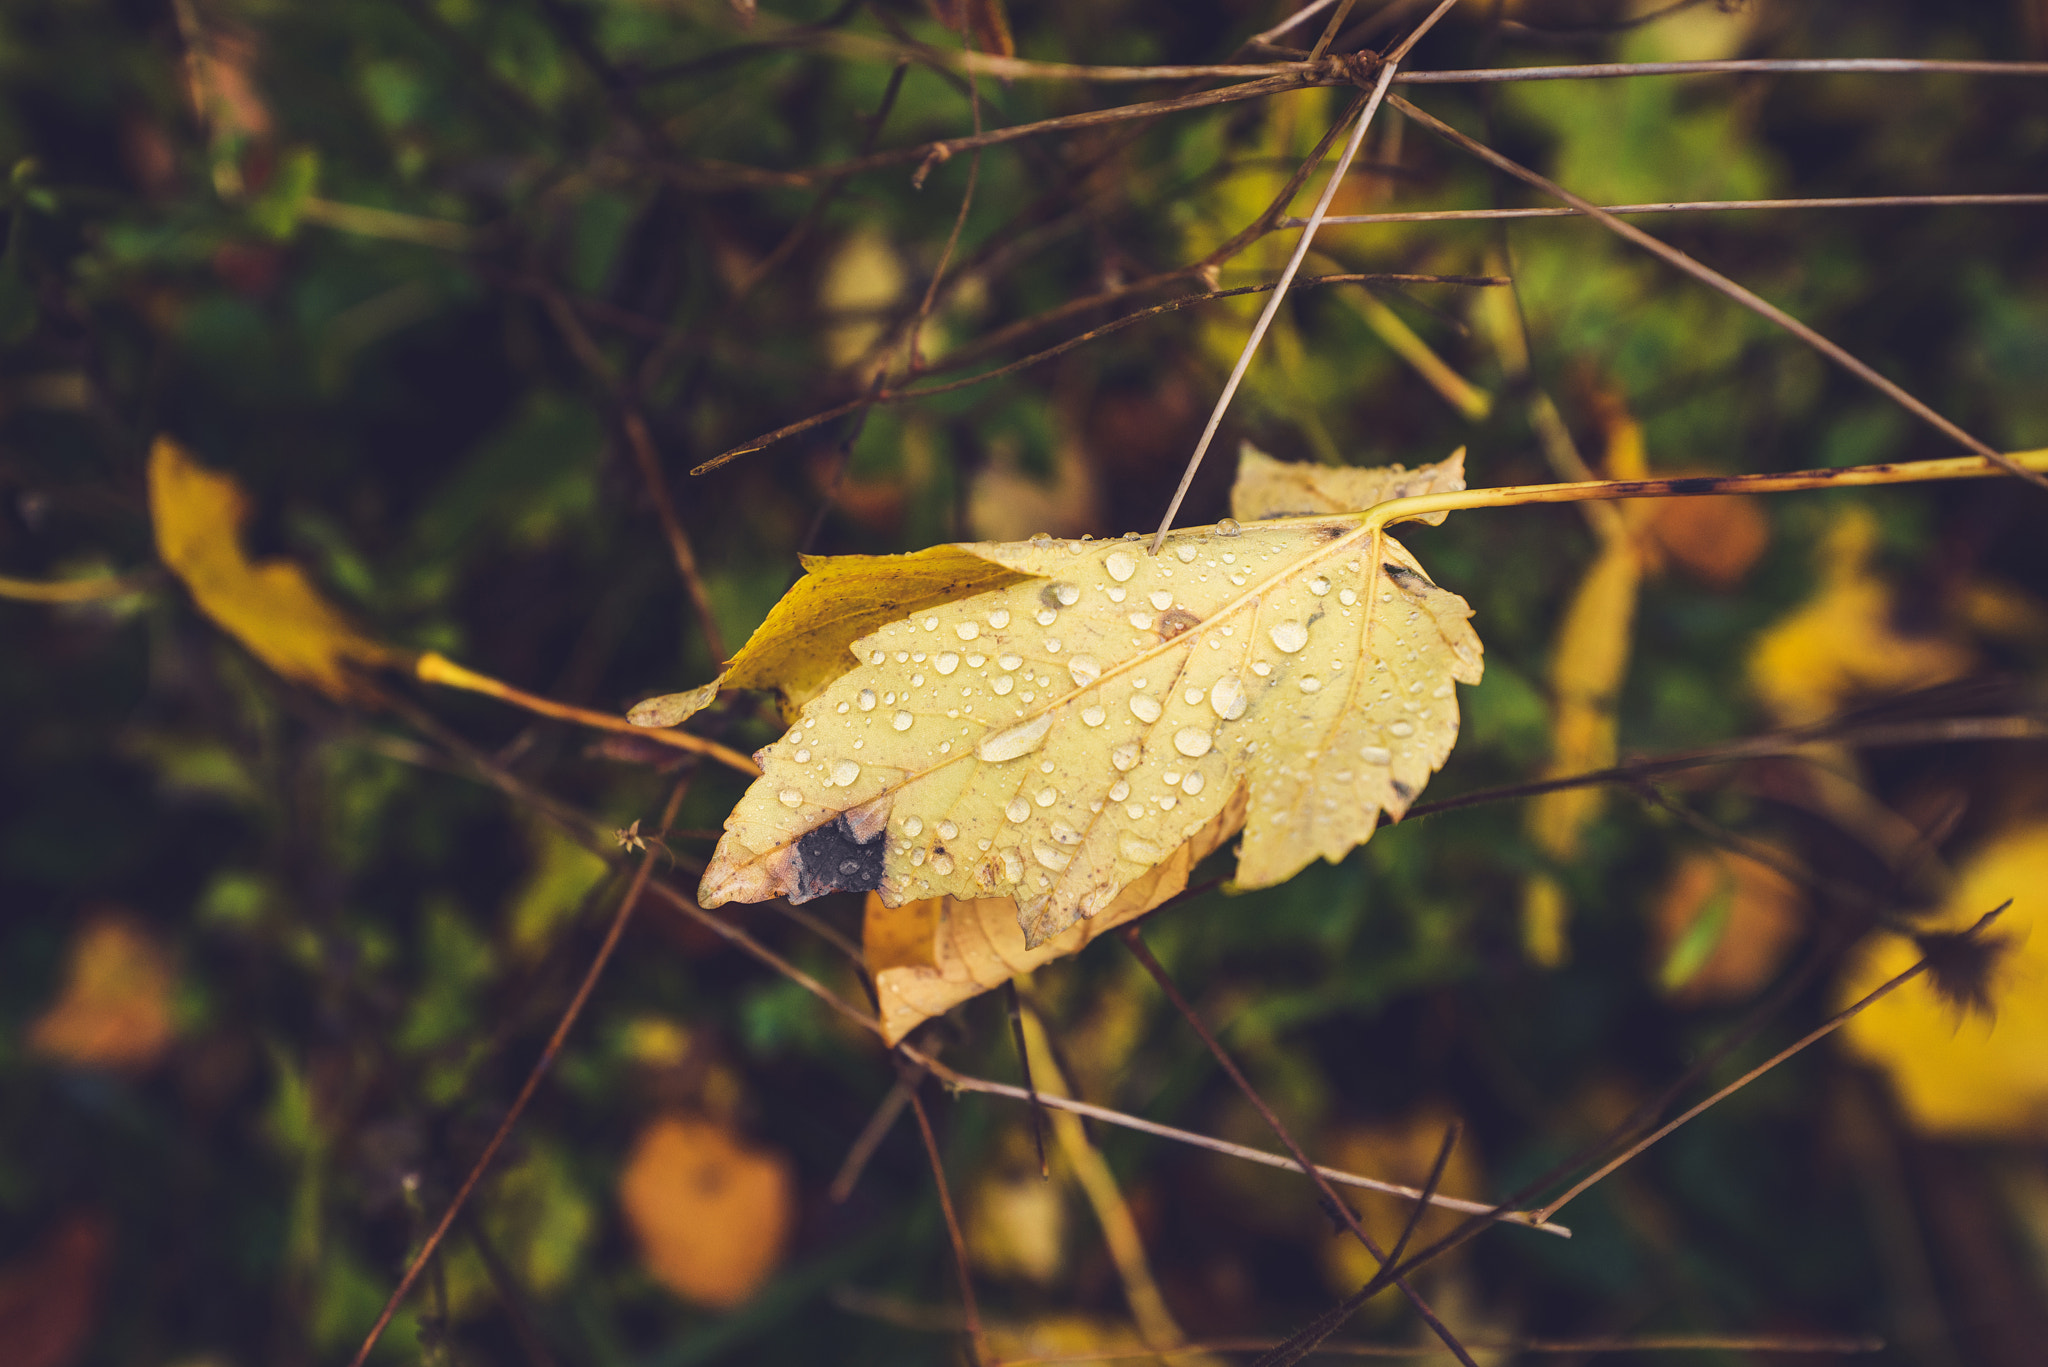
(439,669)
(97,590)
(1251,346)
(1697,206)
(1742,295)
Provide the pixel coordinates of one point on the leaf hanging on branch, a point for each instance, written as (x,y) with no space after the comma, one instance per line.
(1056,739)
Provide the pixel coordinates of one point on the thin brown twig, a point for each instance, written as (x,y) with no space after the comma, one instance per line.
(1742,295)
(870,1138)
(977,1340)
(1951,730)
(613,935)
(1819,1032)
(907,394)
(1647,1343)
(1429,1186)
(1134,941)
(649,461)
(1696,206)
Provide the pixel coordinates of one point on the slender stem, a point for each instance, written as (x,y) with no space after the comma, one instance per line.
(1015,1010)
(1696,206)
(93,590)
(871,1137)
(1819,1032)
(436,668)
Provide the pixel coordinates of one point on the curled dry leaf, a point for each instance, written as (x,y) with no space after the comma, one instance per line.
(1057,739)
(270,606)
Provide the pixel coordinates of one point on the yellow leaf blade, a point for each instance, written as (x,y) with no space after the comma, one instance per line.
(1268,488)
(270,606)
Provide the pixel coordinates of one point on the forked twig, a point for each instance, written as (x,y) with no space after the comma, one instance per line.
(1749,299)
(613,935)
(1135,942)
(1819,1032)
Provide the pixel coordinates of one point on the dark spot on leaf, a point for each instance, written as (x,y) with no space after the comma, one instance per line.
(1174,621)
(1408,579)
(1402,790)
(830,859)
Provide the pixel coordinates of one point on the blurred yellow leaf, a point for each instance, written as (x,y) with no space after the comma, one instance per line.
(711,1215)
(1722,926)
(1056,740)
(1016,1219)
(1845,641)
(1985,1076)
(1589,661)
(270,606)
(115,1007)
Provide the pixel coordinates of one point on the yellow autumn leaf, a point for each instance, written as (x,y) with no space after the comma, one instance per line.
(115,1007)
(711,1215)
(270,606)
(1055,740)
(806,641)
(1984,1076)
(1845,641)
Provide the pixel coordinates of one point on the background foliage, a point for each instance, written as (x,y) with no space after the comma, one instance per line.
(274,960)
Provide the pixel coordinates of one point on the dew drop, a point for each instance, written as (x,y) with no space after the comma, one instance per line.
(1001,685)
(841,709)
(1141,621)
(844,773)
(1013,866)
(1050,855)
(1124,757)
(942,863)
(967,631)
(917,857)
(1347,597)
(931,624)
(1226,697)
(1052,647)
(1065,834)
(976,661)
(791,797)
(1014,741)
(999,618)
(1048,796)
(867,700)
(1261,668)
(901,721)
(1115,592)
(1191,696)
(1120,565)
(1018,810)
(1193,741)
(947,830)
(1185,552)
(1319,586)
(1045,617)
(1040,538)
(1093,715)
(1288,636)
(1310,683)
(946,663)
(803,757)
(1228,527)
(1191,785)
(1145,707)
(1067,594)
(1166,804)
(1401,728)
(1045,766)
(1119,790)
(1085,669)
(914,826)
(876,657)
(1376,754)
